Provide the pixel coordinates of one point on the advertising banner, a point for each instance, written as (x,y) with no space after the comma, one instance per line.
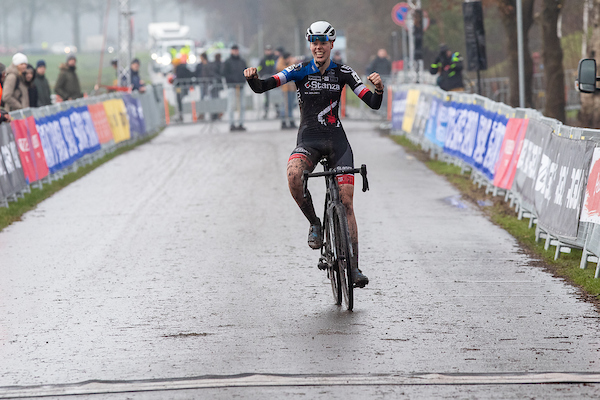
(100,121)
(50,152)
(118,119)
(135,114)
(398,108)
(63,122)
(83,129)
(559,185)
(39,159)
(510,152)
(484,128)
(412,99)
(19,128)
(421,116)
(12,179)
(445,113)
(431,125)
(494,145)
(591,203)
(455,131)
(531,152)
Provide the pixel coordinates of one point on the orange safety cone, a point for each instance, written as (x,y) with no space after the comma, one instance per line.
(167,116)
(343,105)
(194,116)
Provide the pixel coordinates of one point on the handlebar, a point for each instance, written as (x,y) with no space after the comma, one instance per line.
(338,171)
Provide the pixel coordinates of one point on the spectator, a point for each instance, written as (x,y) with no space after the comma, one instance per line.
(29,76)
(266,69)
(136,82)
(204,74)
(217,69)
(44,97)
(4,116)
(449,65)
(14,93)
(380,64)
(337,57)
(289,94)
(67,85)
(182,82)
(233,71)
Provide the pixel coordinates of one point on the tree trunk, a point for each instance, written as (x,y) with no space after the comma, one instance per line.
(508,13)
(589,116)
(553,61)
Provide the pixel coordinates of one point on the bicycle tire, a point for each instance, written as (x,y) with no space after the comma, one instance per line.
(330,253)
(344,255)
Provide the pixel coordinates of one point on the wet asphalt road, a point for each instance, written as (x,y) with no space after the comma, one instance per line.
(187,257)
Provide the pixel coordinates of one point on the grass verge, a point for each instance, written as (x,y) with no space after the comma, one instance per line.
(499,212)
(30,201)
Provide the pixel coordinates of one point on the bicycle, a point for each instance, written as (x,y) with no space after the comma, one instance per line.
(337,254)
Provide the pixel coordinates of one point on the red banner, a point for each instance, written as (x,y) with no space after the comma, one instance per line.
(101,122)
(19,128)
(39,158)
(506,167)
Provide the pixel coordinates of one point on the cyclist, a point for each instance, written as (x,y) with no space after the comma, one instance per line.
(319,85)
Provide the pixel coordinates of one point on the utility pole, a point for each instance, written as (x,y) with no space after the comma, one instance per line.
(520,53)
(124,60)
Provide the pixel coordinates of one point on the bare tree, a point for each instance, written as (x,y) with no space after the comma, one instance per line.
(553,61)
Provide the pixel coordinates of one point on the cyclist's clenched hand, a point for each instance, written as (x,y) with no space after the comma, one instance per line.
(375,79)
(251,73)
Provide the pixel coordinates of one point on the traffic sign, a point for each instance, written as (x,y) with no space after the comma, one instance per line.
(399,13)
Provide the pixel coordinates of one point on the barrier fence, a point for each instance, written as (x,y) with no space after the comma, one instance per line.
(42,144)
(548,171)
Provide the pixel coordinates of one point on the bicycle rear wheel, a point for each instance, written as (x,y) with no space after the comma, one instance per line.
(343,245)
(330,254)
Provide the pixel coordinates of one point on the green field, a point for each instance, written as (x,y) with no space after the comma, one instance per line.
(88,65)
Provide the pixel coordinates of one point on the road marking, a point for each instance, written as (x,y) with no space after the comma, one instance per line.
(275,380)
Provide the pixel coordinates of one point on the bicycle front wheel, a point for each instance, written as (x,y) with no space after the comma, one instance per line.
(343,245)
(330,250)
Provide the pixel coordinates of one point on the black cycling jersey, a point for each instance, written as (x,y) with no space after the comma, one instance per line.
(320,132)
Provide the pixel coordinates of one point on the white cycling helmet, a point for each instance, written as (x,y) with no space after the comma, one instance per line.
(320,30)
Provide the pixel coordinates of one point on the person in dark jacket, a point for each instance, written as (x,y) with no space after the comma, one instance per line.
(449,65)
(233,71)
(67,85)
(44,95)
(134,73)
(29,77)
(266,68)
(182,82)
(380,64)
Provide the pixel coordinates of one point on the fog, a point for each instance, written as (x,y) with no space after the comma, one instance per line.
(54,24)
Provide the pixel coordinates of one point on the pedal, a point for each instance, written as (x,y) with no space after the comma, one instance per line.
(322,265)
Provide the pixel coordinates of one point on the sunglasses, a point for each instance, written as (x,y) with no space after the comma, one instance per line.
(320,38)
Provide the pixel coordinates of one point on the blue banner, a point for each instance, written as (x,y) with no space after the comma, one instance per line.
(398,109)
(494,146)
(135,114)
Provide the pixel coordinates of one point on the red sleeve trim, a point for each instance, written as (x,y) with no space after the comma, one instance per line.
(362,93)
